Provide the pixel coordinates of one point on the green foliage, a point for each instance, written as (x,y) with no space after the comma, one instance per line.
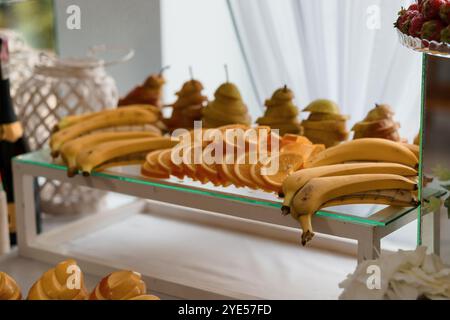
(432,205)
(447,205)
(33,18)
(441,173)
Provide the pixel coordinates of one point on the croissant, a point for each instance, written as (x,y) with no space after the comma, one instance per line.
(120,285)
(64,282)
(145,297)
(9,290)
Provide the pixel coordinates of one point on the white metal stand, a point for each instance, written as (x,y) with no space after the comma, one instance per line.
(45,247)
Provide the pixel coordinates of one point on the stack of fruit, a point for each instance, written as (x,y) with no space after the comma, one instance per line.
(370,170)
(85,144)
(325,125)
(227,108)
(58,284)
(379,123)
(427,19)
(188,107)
(150,92)
(281,113)
(241,166)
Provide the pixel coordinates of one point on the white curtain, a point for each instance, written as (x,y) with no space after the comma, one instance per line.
(344,50)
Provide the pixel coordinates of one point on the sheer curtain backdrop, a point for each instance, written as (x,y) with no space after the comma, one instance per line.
(344,50)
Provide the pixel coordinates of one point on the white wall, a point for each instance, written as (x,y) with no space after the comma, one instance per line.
(199,33)
(131,23)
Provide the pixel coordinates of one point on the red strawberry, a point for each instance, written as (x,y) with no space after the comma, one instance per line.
(445,35)
(414,6)
(415,27)
(431,8)
(445,12)
(431,30)
(406,23)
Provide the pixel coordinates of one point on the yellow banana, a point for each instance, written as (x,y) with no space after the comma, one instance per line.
(90,158)
(73,119)
(294,182)
(398,198)
(413,148)
(368,149)
(70,149)
(121,117)
(319,191)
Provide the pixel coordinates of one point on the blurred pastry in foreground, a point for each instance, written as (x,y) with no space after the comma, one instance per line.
(9,290)
(121,285)
(64,282)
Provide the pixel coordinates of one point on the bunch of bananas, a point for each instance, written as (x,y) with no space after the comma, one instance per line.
(83,147)
(379,123)
(281,113)
(325,124)
(368,170)
(242,166)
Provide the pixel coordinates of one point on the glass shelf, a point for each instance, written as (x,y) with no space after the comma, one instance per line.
(373,215)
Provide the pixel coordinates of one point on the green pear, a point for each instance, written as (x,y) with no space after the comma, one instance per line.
(323,106)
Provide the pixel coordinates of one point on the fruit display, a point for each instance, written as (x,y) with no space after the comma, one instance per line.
(122,285)
(150,92)
(56,285)
(241,165)
(325,124)
(379,123)
(66,282)
(281,113)
(226,108)
(188,107)
(367,170)
(427,20)
(9,290)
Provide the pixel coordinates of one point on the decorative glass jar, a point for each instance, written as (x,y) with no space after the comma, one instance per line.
(58,88)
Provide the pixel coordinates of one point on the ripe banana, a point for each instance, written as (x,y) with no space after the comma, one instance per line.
(70,149)
(319,191)
(295,182)
(90,158)
(73,119)
(368,149)
(413,148)
(120,117)
(398,198)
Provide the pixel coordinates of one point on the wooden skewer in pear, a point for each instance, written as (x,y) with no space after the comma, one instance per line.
(189,105)
(227,107)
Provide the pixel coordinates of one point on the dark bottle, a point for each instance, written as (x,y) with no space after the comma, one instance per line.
(12,141)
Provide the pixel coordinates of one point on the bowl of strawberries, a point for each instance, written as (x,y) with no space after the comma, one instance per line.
(425,27)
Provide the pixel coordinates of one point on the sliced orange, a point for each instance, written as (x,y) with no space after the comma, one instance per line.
(242,169)
(191,157)
(306,150)
(209,170)
(226,172)
(293,138)
(177,168)
(255,174)
(164,160)
(288,162)
(151,168)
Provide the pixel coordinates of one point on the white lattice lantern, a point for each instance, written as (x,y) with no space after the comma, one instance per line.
(22,58)
(57,88)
